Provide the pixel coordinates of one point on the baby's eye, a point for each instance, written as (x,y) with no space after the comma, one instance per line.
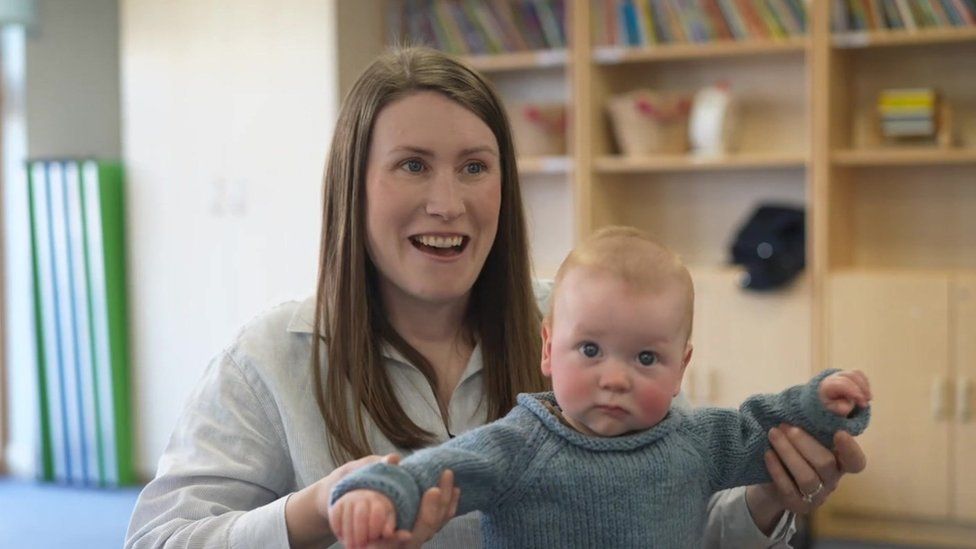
(590,349)
(647,358)
(413,166)
(475,168)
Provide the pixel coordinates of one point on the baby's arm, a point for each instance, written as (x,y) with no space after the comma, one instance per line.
(841,392)
(360,517)
(485,462)
(733,442)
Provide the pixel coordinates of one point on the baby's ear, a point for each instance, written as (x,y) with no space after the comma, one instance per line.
(685,360)
(546,347)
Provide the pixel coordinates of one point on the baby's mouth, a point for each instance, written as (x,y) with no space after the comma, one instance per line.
(444,246)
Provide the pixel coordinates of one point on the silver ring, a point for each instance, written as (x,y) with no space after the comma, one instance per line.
(808,498)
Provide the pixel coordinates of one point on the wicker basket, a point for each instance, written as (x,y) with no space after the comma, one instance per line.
(645,122)
(539,128)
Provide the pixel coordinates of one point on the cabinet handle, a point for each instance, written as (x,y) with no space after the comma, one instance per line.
(964,399)
(940,398)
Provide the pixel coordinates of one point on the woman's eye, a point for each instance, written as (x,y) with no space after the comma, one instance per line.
(475,168)
(647,358)
(413,166)
(589,349)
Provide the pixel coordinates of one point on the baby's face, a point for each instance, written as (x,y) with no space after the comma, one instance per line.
(616,355)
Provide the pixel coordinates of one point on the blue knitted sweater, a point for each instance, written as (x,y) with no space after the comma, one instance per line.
(539,483)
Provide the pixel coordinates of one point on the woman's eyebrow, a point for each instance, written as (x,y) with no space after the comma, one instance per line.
(481,149)
(429,153)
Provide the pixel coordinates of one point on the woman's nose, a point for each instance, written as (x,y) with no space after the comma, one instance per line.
(444,197)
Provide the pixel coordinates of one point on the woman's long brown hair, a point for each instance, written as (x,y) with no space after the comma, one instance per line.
(502,311)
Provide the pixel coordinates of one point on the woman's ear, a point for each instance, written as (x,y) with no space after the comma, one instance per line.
(546,347)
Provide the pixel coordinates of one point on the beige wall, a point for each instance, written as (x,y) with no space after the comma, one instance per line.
(227,108)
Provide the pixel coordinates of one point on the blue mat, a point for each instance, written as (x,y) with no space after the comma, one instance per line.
(44,516)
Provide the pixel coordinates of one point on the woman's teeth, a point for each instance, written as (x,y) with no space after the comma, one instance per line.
(440,241)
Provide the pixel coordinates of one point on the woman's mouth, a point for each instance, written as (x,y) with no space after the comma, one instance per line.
(441,246)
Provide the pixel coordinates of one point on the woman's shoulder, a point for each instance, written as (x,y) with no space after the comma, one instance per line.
(276,341)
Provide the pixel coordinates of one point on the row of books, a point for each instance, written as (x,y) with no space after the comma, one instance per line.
(641,23)
(78,259)
(474,27)
(909,112)
(910,15)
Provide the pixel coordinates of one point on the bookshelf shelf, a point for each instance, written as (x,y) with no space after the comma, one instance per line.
(612,55)
(516,61)
(871,39)
(690,163)
(544,165)
(903,156)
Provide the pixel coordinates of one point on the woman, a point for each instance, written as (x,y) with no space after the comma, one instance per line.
(425,325)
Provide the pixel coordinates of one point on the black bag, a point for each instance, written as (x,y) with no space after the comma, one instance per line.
(771,246)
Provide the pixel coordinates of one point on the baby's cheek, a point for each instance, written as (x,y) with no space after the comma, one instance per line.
(572,391)
(654,404)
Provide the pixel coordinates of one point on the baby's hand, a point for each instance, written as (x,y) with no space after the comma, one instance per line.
(361,517)
(840,392)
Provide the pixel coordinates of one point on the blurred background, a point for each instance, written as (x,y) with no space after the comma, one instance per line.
(814,162)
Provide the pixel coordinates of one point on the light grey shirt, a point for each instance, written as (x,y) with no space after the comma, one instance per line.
(251,434)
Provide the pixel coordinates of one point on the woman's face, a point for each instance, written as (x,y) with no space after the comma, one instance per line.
(433,192)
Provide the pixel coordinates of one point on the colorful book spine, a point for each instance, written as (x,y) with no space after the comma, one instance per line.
(78,258)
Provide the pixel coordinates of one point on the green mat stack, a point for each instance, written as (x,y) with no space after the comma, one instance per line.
(77,239)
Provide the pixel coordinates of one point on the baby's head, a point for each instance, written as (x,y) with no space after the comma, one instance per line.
(616,337)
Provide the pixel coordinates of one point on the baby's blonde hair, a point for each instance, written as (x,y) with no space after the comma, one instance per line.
(635,258)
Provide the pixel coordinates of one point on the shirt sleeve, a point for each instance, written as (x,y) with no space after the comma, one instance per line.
(214,486)
(487,462)
(730,524)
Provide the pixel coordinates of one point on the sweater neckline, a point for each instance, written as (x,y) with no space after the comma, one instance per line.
(536,403)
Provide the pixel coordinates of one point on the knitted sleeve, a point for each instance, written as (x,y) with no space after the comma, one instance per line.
(733,442)
(486,462)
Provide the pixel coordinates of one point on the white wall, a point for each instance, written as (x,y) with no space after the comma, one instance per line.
(228,107)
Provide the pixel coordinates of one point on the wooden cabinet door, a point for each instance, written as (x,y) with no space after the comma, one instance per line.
(963,304)
(894,327)
(746,342)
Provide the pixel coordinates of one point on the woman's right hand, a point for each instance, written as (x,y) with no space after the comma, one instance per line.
(307,511)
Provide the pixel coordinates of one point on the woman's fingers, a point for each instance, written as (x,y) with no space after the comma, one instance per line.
(800,461)
(821,458)
(782,480)
(850,457)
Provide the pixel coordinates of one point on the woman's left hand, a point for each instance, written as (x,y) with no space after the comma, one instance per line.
(804,473)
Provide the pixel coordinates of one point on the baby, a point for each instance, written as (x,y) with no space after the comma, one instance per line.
(603,460)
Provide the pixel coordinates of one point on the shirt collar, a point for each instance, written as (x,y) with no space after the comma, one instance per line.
(303,318)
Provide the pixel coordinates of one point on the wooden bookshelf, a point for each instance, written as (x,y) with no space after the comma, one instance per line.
(518,61)
(608,55)
(545,165)
(691,162)
(904,156)
(877,39)
(891,230)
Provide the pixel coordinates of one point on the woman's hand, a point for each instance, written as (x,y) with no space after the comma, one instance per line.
(437,507)
(307,511)
(804,473)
